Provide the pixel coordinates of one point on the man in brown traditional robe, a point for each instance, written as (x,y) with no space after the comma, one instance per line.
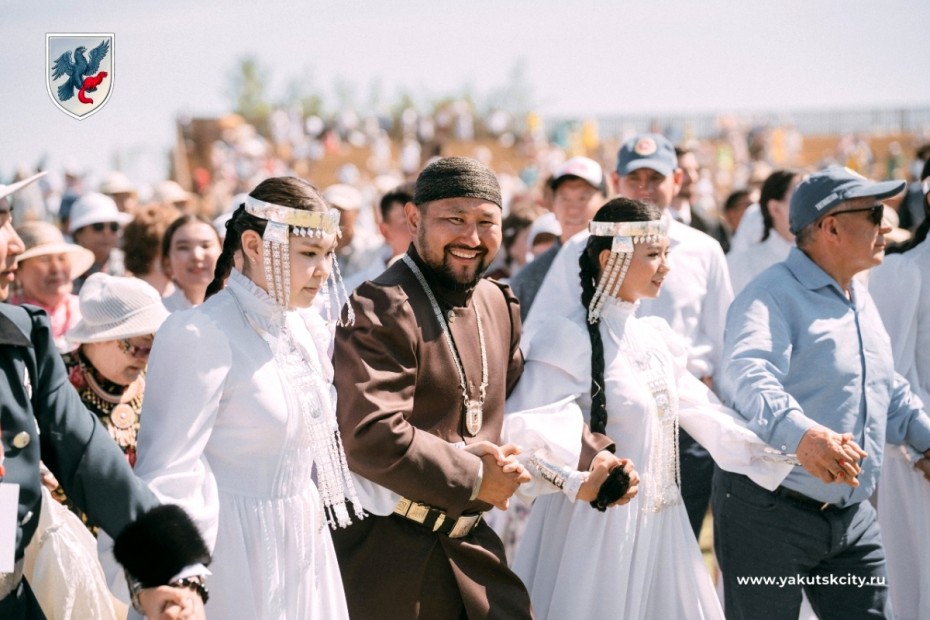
(410,427)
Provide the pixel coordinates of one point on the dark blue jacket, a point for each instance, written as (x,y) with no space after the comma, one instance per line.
(36,398)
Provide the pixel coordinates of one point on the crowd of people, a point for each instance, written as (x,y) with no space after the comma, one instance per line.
(319,405)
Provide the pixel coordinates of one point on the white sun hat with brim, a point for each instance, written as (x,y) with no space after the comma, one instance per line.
(170,191)
(43,239)
(115,182)
(115,307)
(95,208)
(6,190)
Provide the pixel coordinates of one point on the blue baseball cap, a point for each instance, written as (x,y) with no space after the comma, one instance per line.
(821,191)
(647,150)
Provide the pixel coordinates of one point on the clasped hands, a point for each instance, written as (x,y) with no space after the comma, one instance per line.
(830,456)
(503,473)
(601,466)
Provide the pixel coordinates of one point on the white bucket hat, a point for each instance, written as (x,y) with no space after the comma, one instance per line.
(95,208)
(43,238)
(115,307)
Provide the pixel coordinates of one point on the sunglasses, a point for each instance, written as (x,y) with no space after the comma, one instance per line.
(133,350)
(876,213)
(101,226)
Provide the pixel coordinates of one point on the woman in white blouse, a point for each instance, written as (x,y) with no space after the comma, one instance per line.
(239,408)
(627,377)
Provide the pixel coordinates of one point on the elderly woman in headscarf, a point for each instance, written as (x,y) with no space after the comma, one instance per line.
(119,319)
(45,275)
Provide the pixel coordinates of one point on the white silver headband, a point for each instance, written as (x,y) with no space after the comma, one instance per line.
(281,223)
(625,235)
(301,222)
(641,232)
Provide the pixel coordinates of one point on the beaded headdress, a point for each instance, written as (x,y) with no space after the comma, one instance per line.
(626,235)
(282,223)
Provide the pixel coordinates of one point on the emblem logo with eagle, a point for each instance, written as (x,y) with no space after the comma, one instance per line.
(80,71)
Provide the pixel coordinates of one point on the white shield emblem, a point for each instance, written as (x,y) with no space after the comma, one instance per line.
(79,71)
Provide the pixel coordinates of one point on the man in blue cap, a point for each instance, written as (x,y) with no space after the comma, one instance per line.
(809,365)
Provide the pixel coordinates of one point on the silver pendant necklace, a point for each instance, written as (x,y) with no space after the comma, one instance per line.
(474,409)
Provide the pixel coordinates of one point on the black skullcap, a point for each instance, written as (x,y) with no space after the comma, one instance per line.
(456,177)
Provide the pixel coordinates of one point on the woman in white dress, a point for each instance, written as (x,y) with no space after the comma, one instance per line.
(190,249)
(239,408)
(629,377)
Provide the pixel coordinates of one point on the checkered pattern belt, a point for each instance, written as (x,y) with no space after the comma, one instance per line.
(437,520)
(10,581)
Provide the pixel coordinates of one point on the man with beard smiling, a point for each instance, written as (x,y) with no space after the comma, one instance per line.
(422,377)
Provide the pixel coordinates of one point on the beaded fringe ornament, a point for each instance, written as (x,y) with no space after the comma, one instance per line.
(317,429)
(316,438)
(282,223)
(626,235)
(661,487)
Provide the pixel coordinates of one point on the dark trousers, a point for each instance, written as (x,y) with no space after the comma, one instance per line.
(834,555)
(21,604)
(697,473)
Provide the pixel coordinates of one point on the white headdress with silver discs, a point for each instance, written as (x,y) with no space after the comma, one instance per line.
(626,235)
(282,223)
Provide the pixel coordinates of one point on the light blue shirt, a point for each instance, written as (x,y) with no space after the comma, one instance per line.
(798,352)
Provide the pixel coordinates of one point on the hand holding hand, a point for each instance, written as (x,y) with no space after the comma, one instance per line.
(171,603)
(601,466)
(829,456)
(631,492)
(502,472)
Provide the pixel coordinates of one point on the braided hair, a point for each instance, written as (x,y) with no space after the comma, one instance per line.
(616,210)
(285,191)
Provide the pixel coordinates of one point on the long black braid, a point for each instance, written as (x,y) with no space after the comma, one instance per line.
(286,191)
(235,226)
(616,210)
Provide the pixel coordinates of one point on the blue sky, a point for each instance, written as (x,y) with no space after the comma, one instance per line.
(583,57)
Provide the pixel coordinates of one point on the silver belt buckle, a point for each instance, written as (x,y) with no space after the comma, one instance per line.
(464,526)
(10,581)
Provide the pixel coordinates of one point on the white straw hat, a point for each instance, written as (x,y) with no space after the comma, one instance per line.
(43,238)
(95,208)
(115,307)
